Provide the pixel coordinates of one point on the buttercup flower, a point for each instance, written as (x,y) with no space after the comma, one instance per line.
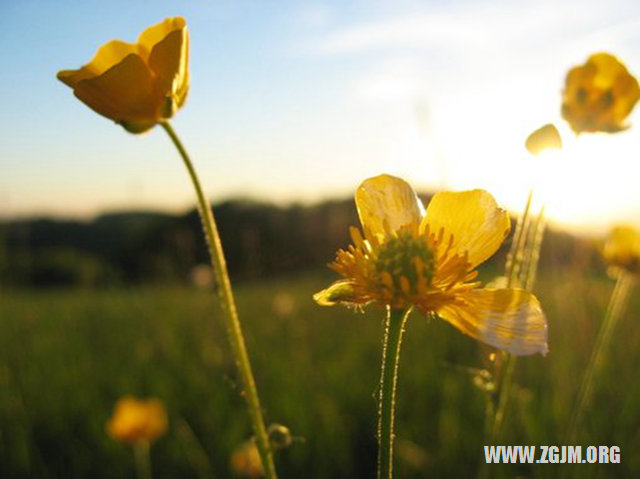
(544,138)
(409,258)
(622,249)
(599,95)
(136,420)
(245,461)
(137,85)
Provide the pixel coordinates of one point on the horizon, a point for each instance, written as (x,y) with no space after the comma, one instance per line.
(187,210)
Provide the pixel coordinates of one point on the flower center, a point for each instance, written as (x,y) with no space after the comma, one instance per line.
(407,256)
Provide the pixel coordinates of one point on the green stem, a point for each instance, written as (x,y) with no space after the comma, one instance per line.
(230,312)
(394,329)
(141,451)
(509,364)
(514,258)
(518,270)
(615,309)
(533,256)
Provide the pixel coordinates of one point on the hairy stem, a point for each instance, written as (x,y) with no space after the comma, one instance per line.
(394,329)
(521,268)
(232,321)
(533,256)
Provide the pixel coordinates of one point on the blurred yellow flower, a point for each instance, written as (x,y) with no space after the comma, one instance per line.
(409,258)
(137,85)
(599,95)
(136,420)
(544,138)
(245,461)
(622,249)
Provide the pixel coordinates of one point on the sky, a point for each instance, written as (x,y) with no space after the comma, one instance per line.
(301,101)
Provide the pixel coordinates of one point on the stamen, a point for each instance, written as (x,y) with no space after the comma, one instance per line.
(405,260)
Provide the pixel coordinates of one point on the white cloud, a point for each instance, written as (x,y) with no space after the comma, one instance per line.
(479,25)
(424,30)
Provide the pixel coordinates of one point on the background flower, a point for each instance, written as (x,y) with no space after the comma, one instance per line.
(622,249)
(245,461)
(137,420)
(599,95)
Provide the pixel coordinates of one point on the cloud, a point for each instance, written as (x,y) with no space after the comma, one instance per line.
(411,31)
(394,79)
(480,26)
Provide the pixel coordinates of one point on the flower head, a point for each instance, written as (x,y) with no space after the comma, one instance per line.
(137,420)
(137,84)
(599,95)
(245,461)
(408,258)
(622,249)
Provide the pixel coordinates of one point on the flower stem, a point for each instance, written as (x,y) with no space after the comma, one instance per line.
(533,257)
(234,329)
(509,365)
(521,268)
(615,309)
(516,252)
(141,451)
(394,329)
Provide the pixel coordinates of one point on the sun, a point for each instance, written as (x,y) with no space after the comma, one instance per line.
(591,184)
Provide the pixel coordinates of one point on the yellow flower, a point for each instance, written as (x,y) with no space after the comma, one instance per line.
(137,85)
(544,138)
(245,461)
(622,249)
(599,95)
(409,258)
(137,420)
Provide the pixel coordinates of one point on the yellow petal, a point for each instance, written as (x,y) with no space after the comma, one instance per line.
(107,56)
(156,33)
(124,93)
(473,218)
(508,319)
(385,204)
(607,67)
(340,292)
(543,138)
(169,61)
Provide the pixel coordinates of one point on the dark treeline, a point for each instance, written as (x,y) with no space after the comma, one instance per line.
(260,240)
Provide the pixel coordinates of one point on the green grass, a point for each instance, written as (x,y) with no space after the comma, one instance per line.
(66,356)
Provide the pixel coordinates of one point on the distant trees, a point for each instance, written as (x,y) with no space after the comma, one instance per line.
(260,240)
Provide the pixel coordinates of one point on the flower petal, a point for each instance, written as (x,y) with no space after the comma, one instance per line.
(385,204)
(169,60)
(544,138)
(508,319)
(473,218)
(124,93)
(107,56)
(156,33)
(340,292)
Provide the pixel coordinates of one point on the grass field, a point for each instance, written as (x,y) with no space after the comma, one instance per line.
(66,356)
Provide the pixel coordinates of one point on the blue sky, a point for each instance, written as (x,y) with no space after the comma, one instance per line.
(298,101)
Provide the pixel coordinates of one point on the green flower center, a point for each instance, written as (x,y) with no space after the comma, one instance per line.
(406,256)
